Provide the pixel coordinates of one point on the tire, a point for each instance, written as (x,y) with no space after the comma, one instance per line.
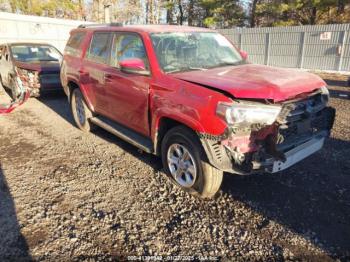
(14,89)
(1,83)
(195,175)
(81,112)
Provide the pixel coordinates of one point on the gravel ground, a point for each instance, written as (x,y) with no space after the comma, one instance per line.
(66,195)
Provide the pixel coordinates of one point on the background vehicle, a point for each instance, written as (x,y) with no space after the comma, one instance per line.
(188,95)
(37,66)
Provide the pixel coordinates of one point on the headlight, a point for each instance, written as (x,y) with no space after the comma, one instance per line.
(237,114)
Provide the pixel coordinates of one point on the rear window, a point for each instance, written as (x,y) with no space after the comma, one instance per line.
(100,48)
(73,44)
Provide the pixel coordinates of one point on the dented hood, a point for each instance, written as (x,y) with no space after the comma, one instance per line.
(255,81)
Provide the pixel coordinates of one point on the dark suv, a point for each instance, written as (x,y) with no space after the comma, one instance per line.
(188,95)
(31,65)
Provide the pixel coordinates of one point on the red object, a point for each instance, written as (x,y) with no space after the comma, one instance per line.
(142,102)
(244,54)
(134,63)
(8,109)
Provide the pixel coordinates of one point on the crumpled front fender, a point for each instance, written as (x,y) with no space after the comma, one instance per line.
(22,98)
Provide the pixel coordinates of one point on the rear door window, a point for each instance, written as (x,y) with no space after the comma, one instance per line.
(100,48)
(73,44)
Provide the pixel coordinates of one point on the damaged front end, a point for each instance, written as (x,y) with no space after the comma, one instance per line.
(22,96)
(30,80)
(270,138)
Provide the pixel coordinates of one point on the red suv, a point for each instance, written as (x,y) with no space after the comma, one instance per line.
(188,95)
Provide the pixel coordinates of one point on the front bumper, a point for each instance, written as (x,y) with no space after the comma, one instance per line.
(296,154)
(295,147)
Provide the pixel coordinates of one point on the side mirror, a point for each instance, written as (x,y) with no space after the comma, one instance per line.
(134,66)
(244,54)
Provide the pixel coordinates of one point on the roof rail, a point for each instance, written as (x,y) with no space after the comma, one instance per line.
(99,25)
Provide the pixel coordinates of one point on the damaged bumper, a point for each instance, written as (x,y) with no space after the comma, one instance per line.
(300,132)
(23,95)
(296,154)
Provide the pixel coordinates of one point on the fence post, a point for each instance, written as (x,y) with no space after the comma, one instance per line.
(240,41)
(340,66)
(267,49)
(302,49)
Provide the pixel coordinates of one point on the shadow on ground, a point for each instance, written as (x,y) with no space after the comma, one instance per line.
(13,246)
(58,103)
(340,94)
(312,198)
(332,82)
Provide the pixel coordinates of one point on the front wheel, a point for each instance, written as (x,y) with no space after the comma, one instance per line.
(185,163)
(15,92)
(80,111)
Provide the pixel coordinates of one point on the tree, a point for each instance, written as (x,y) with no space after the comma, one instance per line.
(298,12)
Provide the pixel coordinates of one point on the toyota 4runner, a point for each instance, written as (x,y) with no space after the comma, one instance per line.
(190,96)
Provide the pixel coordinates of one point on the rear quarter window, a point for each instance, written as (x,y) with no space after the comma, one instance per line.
(73,44)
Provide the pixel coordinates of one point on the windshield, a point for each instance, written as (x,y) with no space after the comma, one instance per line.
(193,51)
(35,53)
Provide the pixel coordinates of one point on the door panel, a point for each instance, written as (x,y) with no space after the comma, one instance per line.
(93,70)
(129,99)
(128,93)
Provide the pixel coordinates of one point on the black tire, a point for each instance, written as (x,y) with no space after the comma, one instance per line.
(1,83)
(14,89)
(80,110)
(208,179)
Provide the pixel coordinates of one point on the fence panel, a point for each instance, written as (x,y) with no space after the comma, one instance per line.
(320,47)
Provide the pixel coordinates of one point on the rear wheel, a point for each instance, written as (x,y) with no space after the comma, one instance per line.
(80,111)
(185,163)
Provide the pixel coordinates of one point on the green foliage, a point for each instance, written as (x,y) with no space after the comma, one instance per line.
(300,12)
(40,7)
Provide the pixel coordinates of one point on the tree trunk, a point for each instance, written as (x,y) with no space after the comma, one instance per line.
(340,7)
(181,16)
(190,12)
(147,10)
(313,16)
(253,14)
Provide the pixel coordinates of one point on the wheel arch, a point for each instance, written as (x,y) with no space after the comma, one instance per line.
(73,85)
(164,124)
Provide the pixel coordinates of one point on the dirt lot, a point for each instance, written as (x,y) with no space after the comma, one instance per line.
(66,195)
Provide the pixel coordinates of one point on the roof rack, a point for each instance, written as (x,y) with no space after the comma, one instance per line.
(99,25)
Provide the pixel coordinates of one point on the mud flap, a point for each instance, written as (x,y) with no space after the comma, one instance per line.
(22,97)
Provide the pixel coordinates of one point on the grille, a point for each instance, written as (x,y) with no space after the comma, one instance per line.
(304,118)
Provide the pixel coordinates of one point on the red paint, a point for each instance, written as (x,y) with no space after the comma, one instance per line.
(134,63)
(256,81)
(141,102)
(8,109)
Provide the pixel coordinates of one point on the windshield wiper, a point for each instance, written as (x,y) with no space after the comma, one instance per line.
(186,69)
(53,59)
(228,64)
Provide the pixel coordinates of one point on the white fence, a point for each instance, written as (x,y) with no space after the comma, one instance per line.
(317,47)
(25,28)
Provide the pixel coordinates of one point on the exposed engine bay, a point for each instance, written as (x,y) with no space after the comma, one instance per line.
(299,130)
